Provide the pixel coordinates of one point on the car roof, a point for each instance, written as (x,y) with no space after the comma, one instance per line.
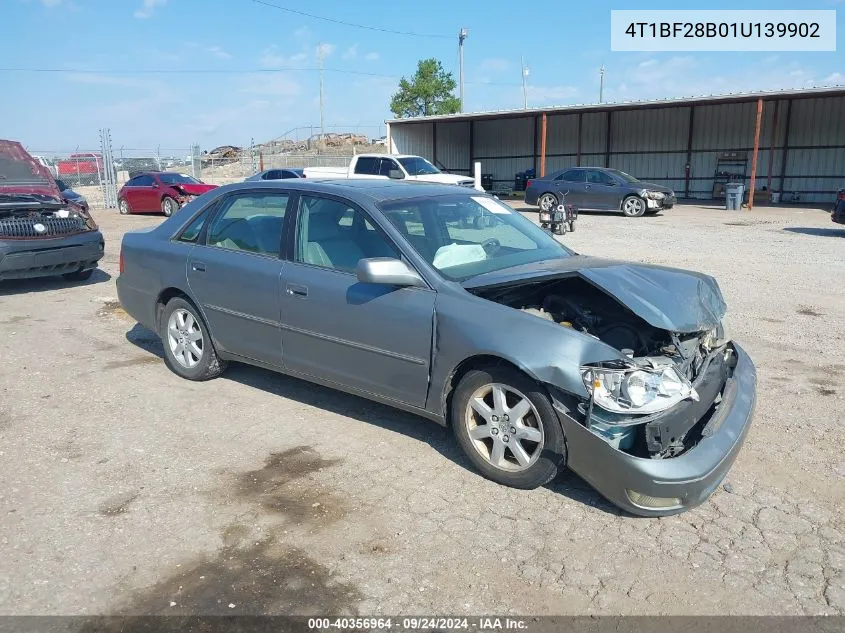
(358,190)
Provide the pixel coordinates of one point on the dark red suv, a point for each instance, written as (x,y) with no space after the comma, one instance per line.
(159,192)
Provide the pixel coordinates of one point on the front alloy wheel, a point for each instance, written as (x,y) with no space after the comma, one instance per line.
(168,206)
(507,427)
(633,206)
(123,207)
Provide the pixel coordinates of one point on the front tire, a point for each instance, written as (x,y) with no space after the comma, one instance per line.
(188,349)
(123,207)
(633,206)
(506,426)
(169,206)
(547,202)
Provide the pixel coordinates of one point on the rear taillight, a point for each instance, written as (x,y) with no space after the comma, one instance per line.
(120,261)
(528,183)
(842,194)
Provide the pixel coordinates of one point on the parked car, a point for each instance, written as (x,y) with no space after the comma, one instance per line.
(159,192)
(42,233)
(838,214)
(81,169)
(598,188)
(538,358)
(72,196)
(276,174)
(394,166)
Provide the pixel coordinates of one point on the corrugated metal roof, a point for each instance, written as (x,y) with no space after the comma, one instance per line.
(826,91)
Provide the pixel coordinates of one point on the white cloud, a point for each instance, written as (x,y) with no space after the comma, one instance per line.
(147,8)
(351,52)
(372,57)
(325,49)
(495,64)
(549,95)
(834,78)
(273,58)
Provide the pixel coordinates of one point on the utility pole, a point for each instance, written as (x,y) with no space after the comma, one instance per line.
(524,87)
(601,84)
(462,35)
(322,110)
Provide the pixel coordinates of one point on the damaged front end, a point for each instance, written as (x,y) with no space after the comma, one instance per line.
(27,217)
(653,400)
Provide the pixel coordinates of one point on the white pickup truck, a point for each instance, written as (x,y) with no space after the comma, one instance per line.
(394,166)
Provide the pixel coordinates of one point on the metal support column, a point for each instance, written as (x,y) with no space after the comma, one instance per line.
(534,151)
(688,164)
(543,146)
(755,154)
(578,146)
(471,146)
(773,135)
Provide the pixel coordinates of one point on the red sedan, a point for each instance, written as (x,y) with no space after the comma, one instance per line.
(159,192)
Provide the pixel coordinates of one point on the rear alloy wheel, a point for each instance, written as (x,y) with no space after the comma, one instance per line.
(168,206)
(188,350)
(633,206)
(547,202)
(123,207)
(507,427)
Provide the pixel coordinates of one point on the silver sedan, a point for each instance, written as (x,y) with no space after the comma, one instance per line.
(448,304)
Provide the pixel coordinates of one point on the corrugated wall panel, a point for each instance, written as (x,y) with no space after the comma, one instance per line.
(664,129)
(817,122)
(505,138)
(412,138)
(561,135)
(593,133)
(664,168)
(453,146)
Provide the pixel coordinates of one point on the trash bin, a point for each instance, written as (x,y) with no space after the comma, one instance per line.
(733,195)
(487,182)
(519,182)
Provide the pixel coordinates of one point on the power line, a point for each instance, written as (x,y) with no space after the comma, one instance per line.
(352,24)
(217,71)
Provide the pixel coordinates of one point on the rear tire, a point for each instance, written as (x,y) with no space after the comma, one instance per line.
(525,451)
(123,207)
(547,201)
(188,349)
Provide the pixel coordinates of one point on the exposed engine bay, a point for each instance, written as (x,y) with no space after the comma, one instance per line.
(655,402)
(28,217)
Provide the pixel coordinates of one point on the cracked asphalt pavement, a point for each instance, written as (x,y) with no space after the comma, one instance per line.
(127,490)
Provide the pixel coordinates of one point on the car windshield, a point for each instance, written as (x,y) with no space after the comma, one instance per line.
(172,178)
(417,166)
(624,176)
(467,235)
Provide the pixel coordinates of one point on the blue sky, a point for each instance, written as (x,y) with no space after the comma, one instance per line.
(236,43)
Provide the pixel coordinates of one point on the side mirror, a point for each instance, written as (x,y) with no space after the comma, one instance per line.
(155,185)
(387,271)
(395,174)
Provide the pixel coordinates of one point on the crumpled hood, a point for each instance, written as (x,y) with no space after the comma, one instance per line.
(667,298)
(192,189)
(21,173)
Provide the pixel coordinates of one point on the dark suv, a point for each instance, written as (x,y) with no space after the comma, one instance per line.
(42,233)
(598,188)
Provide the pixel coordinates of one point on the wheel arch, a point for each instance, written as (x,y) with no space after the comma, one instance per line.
(478,361)
(170,293)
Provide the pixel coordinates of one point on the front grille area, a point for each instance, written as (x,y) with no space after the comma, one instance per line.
(25,227)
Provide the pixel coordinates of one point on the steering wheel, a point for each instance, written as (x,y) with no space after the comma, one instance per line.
(491,245)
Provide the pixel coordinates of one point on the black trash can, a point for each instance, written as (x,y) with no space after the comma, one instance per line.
(519,182)
(487,182)
(733,195)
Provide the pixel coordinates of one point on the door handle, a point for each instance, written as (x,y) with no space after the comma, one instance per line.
(198,266)
(587,187)
(295,290)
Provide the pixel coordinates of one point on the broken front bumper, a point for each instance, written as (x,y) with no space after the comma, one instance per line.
(23,259)
(641,485)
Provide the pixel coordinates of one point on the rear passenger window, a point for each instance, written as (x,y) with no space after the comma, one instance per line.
(367,165)
(573,175)
(193,230)
(251,223)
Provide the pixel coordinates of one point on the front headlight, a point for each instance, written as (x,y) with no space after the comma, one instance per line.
(655,195)
(636,391)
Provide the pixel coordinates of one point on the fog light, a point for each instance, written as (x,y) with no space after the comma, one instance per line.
(647,501)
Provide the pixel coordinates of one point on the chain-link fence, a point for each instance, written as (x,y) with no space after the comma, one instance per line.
(83,169)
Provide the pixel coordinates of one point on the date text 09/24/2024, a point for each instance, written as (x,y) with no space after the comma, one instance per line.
(418,623)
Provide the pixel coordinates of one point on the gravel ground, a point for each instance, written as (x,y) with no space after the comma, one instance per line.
(127,490)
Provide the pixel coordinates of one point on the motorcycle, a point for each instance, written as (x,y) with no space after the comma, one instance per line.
(558,220)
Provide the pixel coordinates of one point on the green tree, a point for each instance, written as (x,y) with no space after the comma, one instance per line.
(429,92)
